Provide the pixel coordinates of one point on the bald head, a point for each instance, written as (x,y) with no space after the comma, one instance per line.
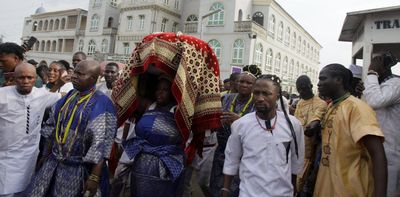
(24,77)
(85,75)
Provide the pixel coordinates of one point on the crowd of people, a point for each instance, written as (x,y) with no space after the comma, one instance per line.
(62,132)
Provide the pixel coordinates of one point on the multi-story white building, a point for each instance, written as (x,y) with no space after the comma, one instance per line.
(244,32)
(57,33)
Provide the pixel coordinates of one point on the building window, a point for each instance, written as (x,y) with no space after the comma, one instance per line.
(46,23)
(258,17)
(51,25)
(110,22)
(62,26)
(114,3)
(192,18)
(91,47)
(176,4)
(97,3)
(34,26)
(294,37)
(308,49)
(287,37)
(141,22)
(104,46)
(175,27)
(285,67)
(94,24)
(303,49)
(166,2)
(291,67)
(80,45)
(268,61)
(217,18)
(258,54)
(278,64)
(129,24)
(238,51)
(216,47)
(296,70)
(299,44)
(271,29)
(280,31)
(163,24)
(127,48)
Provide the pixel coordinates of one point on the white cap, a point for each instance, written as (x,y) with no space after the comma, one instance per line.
(356,70)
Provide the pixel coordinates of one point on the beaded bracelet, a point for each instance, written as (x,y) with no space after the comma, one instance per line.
(94,178)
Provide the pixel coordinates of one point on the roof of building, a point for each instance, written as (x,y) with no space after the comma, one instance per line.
(40,10)
(353,20)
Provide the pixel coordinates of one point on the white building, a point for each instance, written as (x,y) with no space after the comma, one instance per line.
(57,33)
(372,31)
(245,32)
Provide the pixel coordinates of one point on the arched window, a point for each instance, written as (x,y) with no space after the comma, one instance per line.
(217,18)
(46,24)
(37,45)
(104,46)
(40,26)
(175,27)
(80,45)
(287,36)
(240,15)
(299,44)
(62,23)
(303,49)
(91,47)
(51,25)
(285,67)
(268,61)
(308,50)
(312,53)
(192,18)
(94,23)
(296,70)
(48,45)
(294,37)
(53,46)
(42,45)
(34,26)
(258,54)
(280,31)
(272,25)
(278,64)
(57,24)
(238,50)
(258,17)
(216,47)
(163,24)
(110,22)
(291,67)
(129,23)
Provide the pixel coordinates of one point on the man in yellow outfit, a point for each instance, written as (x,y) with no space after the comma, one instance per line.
(310,111)
(353,161)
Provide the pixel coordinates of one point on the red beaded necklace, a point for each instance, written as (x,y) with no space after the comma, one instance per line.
(272,127)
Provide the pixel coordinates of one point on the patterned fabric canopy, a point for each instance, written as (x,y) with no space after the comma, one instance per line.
(194,68)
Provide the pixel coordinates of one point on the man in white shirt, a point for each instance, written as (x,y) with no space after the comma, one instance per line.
(266,146)
(382,93)
(21,112)
(111,73)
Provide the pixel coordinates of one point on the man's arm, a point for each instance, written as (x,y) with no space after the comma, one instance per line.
(93,180)
(380,96)
(227,184)
(375,149)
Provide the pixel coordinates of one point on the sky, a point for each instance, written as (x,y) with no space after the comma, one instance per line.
(322,19)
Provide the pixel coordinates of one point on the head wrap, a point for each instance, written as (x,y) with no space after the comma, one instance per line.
(252,70)
(194,68)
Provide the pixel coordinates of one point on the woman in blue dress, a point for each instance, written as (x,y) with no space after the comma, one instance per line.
(156,155)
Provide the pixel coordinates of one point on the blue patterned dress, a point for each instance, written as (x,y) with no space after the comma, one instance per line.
(158,158)
(217,176)
(87,143)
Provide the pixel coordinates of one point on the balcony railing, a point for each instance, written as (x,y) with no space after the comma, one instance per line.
(250,26)
(191,27)
(135,38)
(109,31)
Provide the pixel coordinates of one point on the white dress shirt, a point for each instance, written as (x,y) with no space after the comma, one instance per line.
(20,123)
(384,98)
(264,160)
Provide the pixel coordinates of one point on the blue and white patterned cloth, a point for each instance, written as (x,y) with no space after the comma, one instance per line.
(68,166)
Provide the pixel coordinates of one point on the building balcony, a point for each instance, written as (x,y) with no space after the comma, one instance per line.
(191,27)
(134,38)
(251,27)
(110,31)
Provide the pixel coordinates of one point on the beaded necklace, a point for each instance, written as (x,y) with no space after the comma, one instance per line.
(332,107)
(233,104)
(265,128)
